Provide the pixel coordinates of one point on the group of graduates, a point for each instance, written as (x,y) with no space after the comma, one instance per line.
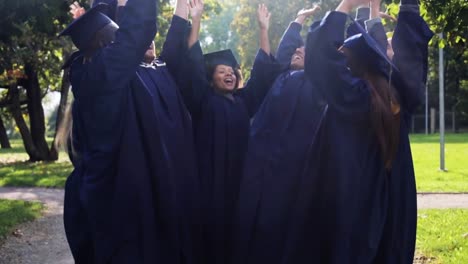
(308,162)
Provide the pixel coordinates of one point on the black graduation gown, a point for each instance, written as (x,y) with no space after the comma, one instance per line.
(221,128)
(281,133)
(137,187)
(350,209)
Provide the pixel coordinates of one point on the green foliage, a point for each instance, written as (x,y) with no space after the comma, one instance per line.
(443,234)
(282,13)
(426,153)
(29,35)
(216,33)
(165,12)
(14,212)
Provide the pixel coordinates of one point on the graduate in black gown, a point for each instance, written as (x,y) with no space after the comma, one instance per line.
(358,201)
(137,190)
(281,133)
(221,113)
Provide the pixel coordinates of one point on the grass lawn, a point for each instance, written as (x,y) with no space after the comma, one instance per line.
(443,234)
(426,155)
(16,212)
(16,171)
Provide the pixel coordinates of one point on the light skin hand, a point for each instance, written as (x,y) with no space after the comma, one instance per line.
(263,17)
(387,16)
(196,9)
(375,8)
(76,10)
(181,9)
(347,5)
(121,2)
(303,14)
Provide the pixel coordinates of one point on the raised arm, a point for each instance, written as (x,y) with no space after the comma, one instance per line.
(137,29)
(291,39)
(265,68)
(327,67)
(263,17)
(194,85)
(192,80)
(410,44)
(175,44)
(196,11)
(375,27)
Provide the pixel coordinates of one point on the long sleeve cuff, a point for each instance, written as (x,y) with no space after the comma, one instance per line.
(179,25)
(335,21)
(409,8)
(295,26)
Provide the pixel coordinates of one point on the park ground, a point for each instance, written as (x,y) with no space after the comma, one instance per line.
(442,233)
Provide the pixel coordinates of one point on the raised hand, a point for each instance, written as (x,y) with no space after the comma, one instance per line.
(303,14)
(347,5)
(375,8)
(309,12)
(76,10)
(196,9)
(263,17)
(121,2)
(387,16)
(181,9)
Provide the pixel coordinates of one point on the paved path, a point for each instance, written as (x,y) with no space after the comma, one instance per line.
(442,201)
(43,241)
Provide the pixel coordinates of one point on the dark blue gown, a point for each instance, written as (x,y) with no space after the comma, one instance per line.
(221,128)
(281,133)
(350,209)
(136,175)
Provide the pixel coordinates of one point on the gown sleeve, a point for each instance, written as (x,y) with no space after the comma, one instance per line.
(175,44)
(120,59)
(326,67)
(262,75)
(376,30)
(410,44)
(290,41)
(193,83)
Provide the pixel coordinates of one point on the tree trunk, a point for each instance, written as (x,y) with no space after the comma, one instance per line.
(65,88)
(36,113)
(4,142)
(17,114)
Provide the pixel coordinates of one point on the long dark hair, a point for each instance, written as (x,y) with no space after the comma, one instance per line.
(385,103)
(385,117)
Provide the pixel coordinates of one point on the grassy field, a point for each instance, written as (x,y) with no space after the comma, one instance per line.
(16,171)
(16,212)
(426,153)
(443,234)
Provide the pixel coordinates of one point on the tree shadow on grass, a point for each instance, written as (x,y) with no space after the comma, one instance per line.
(35,174)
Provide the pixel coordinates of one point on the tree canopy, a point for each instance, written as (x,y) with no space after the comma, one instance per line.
(31,52)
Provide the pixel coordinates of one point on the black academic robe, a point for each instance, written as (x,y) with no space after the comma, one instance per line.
(135,180)
(351,209)
(281,133)
(221,129)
